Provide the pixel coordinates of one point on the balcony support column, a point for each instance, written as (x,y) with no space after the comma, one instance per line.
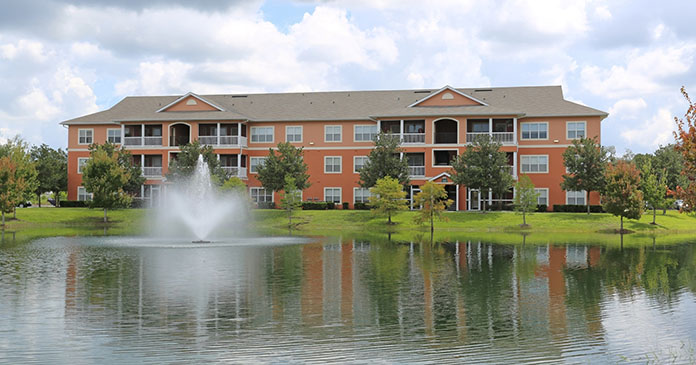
(123,134)
(514,130)
(142,134)
(401,129)
(142,164)
(490,127)
(218,134)
(514,165)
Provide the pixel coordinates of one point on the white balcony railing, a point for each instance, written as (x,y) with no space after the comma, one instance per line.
(142,141)
(500,137)
(223,140)
(413,138)
(132,141)
(152,141)
(235,171)
(152,171)
(416,170)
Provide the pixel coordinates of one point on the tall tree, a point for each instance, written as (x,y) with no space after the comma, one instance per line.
(52,168)
(585,162)
(433,201)
(23,179)
(525,197)
(483,166)
(105,178)
(654,188)
(7,186)
(667,162)
(621,195)
(291,198)
(184,165)
(125,160)
(686,146)
(384,160)
(387,197)
(288,162)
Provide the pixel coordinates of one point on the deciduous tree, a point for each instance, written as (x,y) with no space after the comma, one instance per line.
(52,168)
(125,160)
(105,178)
(23,179)
(654,188)
(686,146)
(184,165)
(585,162)
(387,197)
(291,198)
(384,160)
(288,162)
(525,197)
(433,201)
(621,195)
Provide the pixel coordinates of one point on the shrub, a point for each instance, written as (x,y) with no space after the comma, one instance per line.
(566,208)
(345,205)
(314,206)
(73,204)
(541,208)
(330,205)
(138,203)
(266,205)
(506,206)
(361,206)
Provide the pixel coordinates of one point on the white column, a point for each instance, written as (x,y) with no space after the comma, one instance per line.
(142,134)
(514,130)
(142,164)
(514,164)
(490,197)
(142,192)
(456,199)
(379,126)
(490,127)
(218,134)
(123,135)
(401,127)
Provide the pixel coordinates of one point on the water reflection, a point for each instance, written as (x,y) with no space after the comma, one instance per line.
(347,300)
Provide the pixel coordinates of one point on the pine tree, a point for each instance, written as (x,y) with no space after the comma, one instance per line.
(288,162)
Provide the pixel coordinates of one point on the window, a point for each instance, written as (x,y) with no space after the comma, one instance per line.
(543,197)
(332,195)
(254,163)
(532,164)
(444,158)
(358,163)
(332,133)
(113,135)
(361,195)
(575,197)
(85,136)
(332,164)
(261,195)
(535,130)
(575,130)
(83,195)
(365,133)
(261,134)
(293,133)
(81,161)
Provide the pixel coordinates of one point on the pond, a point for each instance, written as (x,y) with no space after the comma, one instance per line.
(131,300)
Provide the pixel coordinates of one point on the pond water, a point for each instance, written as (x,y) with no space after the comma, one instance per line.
(129,300)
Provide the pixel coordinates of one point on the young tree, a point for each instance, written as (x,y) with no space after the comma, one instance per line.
(125,160)
(525,197)
(7,186)
(686,146)
(387,197)
(291,198)
(235,185)
(288,162)
(184,165)
(621,195)
(384,160)
(52,168)
(585,162)
(654,188)
(483,166)
(433,201)
(105,178)
(23,179)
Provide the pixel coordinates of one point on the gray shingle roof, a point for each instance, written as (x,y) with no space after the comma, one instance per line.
(535,101)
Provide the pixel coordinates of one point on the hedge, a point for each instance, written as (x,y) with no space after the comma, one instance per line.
(73,204)
(541,208)
(565,208)
(318,205)
(361,206)
(266,205)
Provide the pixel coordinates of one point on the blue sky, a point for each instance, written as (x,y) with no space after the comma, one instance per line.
(61,59)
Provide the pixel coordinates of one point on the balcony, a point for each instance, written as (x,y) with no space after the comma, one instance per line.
(223,140)
(152,171)
(234,171)
(407,138)
(142,141)
(505,138)
(416,171)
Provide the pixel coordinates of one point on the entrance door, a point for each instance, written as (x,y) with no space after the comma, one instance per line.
(452,195)
(415,189)
(474,200)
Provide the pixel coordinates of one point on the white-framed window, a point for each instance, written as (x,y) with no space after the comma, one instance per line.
(358,163)
(576,130)
(332,195)
(260,195)
(85,136)
(365,133)
(332,133)
(254,163)
(81,161)
(361,195)
(534,164)
(543,197)
(113,135)
(537,130)
(332,164)
(293,133)
(575,197)
(261,134)
(83,195)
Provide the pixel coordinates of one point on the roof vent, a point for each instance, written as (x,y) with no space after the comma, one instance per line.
(482,90)
(422,92)
(239,96)
(191,102)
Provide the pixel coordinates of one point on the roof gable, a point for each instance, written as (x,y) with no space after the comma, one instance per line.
(448,96)
(443,178)
(190,103)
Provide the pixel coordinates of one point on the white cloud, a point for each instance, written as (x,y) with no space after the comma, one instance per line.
(628,108)
(653,132)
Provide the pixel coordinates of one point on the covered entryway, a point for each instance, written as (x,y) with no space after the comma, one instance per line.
(179,134)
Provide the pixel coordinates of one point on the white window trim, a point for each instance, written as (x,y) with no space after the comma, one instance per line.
(354,165)
(251,133)
(85,129)
(354,195)
(79,170)
(301,133)
(263,158)
(340,193)
(90,195)
(547,195)
(261,188)
(534,172)
(584,193)
(355,127)
(340,133)
(432,160)
(118,131)
(340,165)
(536,139)
(576,121)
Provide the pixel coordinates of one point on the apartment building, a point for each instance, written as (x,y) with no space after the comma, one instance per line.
(533,124)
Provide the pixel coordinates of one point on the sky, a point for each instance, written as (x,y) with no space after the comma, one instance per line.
(61,59)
